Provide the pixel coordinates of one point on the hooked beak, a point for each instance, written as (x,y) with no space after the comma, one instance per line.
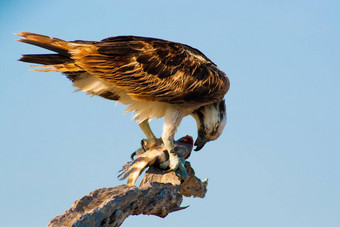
(199,143)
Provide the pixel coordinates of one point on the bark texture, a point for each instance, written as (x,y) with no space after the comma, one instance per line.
(160,193)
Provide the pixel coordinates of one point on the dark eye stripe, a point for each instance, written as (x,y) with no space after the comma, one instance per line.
(222,109)
(200,115)
(222,106)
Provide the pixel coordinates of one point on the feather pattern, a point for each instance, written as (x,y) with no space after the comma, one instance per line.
(146,69)
(153,69)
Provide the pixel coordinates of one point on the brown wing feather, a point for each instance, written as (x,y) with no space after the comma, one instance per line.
(54,44)
(154,69)
(147,68)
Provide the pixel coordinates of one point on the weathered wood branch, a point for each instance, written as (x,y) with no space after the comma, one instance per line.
(160,193)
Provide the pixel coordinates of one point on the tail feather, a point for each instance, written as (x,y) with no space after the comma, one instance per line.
(59,62)
(45,59)
(62,68)
(63,61)
(54,44)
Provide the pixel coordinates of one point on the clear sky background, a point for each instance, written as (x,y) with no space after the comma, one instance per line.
(277,162)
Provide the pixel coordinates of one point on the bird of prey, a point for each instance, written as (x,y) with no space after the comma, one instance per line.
(155,78)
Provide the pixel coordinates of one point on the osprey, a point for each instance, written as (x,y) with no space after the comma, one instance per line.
(155,78)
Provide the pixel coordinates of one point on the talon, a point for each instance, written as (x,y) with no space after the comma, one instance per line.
(150,143)
(159,156)
(146,144)
(143,144)
(133,155)
(137,152)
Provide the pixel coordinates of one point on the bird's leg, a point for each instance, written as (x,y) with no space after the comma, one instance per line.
(144,125)
(172,119)
(149,142)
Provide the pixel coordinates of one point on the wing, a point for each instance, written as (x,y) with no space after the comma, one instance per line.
(146,68)
(152,69)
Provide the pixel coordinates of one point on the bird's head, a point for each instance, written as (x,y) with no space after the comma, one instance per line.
(210,120)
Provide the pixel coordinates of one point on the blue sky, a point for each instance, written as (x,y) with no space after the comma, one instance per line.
(277,162)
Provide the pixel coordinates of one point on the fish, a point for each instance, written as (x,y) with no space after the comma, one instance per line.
(156,156)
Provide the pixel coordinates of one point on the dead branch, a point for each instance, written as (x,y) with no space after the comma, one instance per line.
(160,193)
